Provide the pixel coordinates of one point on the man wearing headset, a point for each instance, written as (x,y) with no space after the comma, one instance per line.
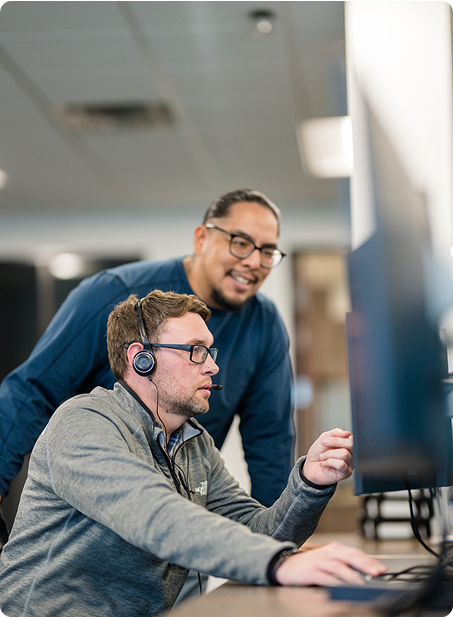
(235,249)
(126,491)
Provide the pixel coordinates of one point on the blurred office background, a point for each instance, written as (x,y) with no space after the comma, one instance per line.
(121,121)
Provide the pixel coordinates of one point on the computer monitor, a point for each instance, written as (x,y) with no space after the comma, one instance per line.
(402,435)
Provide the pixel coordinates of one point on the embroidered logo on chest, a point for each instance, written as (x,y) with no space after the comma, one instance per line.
(203,488)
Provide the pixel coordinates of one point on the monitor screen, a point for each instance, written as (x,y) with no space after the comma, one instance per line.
(402,435)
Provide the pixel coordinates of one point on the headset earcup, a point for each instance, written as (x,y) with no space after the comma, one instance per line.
(144,363)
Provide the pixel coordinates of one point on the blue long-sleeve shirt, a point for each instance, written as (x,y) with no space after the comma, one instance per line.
(71,358)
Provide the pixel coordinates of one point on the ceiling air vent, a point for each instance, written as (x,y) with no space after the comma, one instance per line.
(107,117)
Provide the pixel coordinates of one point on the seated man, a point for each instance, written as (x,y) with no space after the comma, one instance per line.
(126,492)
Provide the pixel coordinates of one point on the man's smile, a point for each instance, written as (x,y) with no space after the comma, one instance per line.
(243,280)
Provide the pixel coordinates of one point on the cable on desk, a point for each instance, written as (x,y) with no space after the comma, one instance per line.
(435,590)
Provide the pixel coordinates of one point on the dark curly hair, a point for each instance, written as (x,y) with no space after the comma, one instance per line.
(220,207)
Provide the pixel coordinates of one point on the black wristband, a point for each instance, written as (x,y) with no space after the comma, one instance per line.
(320,487)
(277,561)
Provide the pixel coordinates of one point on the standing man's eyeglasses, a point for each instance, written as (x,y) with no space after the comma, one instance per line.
(242,247)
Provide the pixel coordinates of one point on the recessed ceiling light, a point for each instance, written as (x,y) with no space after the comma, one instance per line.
(325,145)
(263,20)
(67,266)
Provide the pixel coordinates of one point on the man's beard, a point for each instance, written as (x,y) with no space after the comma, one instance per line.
(227,305)
(188,409)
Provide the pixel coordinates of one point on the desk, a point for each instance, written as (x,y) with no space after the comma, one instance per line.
(249,601)
(238,600)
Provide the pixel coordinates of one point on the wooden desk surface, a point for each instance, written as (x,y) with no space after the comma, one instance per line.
(238,600)
(235,600)
(372,547)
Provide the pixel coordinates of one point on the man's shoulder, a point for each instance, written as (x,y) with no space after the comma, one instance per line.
(113,404)
(113,285)
(148,272)
(98,397)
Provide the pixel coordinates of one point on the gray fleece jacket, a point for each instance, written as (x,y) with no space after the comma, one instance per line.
(108,525)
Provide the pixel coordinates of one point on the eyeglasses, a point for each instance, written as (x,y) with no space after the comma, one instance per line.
(242,247)
(198,353)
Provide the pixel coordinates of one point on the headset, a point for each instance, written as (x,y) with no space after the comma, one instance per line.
(144,361)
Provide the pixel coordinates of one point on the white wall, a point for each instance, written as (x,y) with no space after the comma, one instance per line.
(400,55)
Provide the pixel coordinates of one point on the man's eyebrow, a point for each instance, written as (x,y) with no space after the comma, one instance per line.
(199,342)
(242,234)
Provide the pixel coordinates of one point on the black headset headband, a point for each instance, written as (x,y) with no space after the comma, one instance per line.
(141,325)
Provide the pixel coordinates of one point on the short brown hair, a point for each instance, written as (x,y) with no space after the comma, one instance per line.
(157,307)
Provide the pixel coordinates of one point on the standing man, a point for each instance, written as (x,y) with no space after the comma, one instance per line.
(235,249)
(126,491)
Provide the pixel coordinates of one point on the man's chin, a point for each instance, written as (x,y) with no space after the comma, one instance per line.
(227,304)
(189,411)
(193,413)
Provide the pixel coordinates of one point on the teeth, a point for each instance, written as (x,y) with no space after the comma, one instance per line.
(241,280)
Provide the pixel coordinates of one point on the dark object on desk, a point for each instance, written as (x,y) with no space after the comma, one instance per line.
(402,435)
(371,591)
(393,600)
(424,584)
(436,595)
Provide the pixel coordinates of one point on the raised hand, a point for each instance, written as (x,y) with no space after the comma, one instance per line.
(329,459)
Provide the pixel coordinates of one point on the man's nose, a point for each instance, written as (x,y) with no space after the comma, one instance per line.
(254,259)
(210,366)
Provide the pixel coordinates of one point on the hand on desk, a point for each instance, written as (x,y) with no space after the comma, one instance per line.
(329,459)
(328,565)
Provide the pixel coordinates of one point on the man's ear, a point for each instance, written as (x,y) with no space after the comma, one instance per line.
(200,237)
(132,351)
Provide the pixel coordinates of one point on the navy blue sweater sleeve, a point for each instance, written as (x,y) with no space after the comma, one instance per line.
(71,357)
(71,352)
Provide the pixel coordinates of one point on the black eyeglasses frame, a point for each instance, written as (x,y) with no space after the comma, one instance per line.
(275,250)
(211,351)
